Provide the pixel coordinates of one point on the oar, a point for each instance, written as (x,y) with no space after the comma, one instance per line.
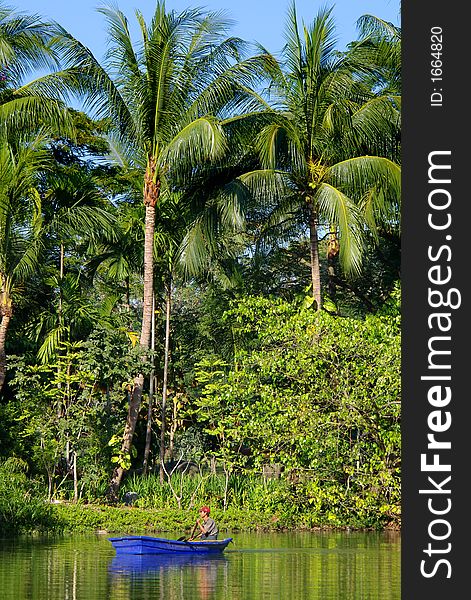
(185,539)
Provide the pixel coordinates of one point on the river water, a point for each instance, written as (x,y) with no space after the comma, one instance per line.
(282,566)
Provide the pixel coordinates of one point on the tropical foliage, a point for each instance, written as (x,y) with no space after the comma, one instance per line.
(199,273)
(313,150)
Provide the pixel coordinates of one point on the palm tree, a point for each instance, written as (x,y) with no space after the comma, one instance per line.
(170,231)
(313,151)
(73,214)
(380,47)
(20,221)
(189,239)
(26,126)
(24,48)
(162,95)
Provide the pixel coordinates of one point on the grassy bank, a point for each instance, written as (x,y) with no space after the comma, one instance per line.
(83,518)
(253,504)
(135,520)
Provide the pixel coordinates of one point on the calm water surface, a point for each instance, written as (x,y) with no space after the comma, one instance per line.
(307,566)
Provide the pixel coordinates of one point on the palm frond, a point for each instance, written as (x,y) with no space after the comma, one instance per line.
(24,44)
(339,210)
(371,26)
(200,141)
(376,186)
(362,172)
(376,125)
(51,343)
(267,185)
(120,57)
(29,113)
(84,218)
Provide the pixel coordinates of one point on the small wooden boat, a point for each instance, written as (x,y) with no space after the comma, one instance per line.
(141,544)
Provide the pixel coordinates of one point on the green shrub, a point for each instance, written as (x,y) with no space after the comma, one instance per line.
(23,507)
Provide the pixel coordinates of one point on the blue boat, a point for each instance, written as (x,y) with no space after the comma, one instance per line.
(141,544)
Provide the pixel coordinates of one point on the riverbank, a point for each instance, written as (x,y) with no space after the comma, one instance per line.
(130,519)
(254,504)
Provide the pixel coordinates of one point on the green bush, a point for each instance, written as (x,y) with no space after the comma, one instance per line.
(317,394)
(23,507)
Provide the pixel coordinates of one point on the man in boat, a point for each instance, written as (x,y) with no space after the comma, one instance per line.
(208,528)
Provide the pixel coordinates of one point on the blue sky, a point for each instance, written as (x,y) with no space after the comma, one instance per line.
(260,20)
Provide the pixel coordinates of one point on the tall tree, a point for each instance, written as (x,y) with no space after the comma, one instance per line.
(163,95)
(20,221)
(313,151)
(27,125)
(380,47)
(24,48)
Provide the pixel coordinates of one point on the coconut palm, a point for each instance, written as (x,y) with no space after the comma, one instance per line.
(316,152)
(73,214)
(23,44)
(380,47)
(24,48)
(20,221)
(162,95)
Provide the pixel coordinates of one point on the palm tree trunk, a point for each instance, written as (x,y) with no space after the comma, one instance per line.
(61,278)
(75,477)
(133,413)
(145,462)
(127,304)
(172,430)
(168,306)
(315,265)
(151,195)
(61,410)
(148,276)
(4,323)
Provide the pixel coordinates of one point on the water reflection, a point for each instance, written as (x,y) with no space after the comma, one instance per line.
(170,572)
(301,566)
(148,563)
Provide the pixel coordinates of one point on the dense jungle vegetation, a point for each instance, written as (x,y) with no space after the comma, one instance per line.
(199,274)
